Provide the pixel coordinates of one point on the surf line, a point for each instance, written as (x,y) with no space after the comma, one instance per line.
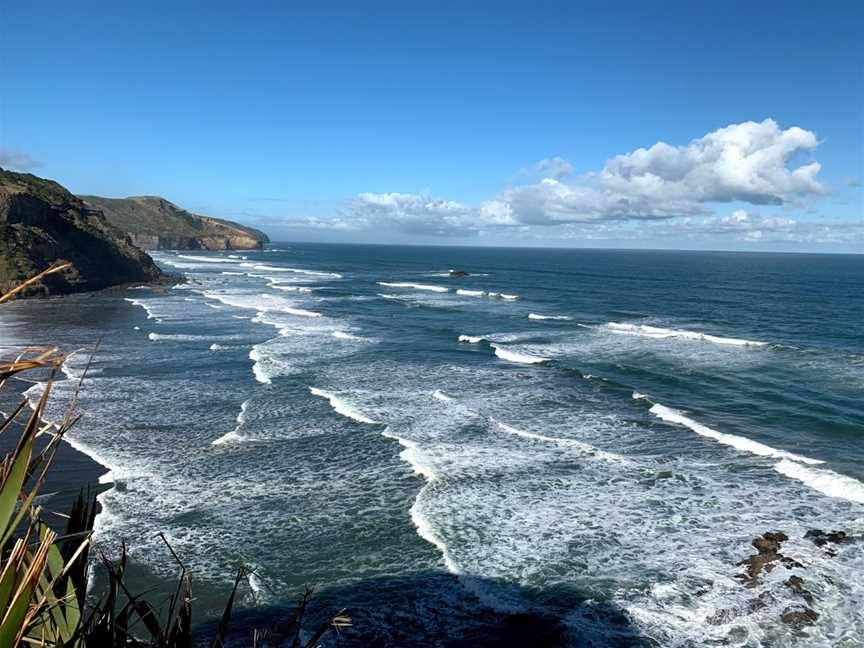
(411,454)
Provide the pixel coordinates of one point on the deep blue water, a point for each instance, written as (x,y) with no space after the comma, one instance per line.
(615,427)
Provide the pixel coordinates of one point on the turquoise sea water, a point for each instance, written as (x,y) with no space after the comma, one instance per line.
(594,437)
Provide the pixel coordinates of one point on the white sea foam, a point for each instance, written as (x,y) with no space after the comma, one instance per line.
(572,443)
(471,339)
(178,337)
(341,407)
(412,455)
(260,302)
(192,257)
(311,273)
(471,293)
(342,335)
(441,396)
(508,297)
(142,304)
(513,356)
(285,288)
(301,312)
(260,375)
(644,330)
(825,481)
(429,287)
(671,415)
(234,435)
(234,274)
(536,316)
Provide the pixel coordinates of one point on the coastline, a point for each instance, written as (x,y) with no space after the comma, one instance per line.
(75,470)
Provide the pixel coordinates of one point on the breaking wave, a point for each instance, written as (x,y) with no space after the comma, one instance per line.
(429,287)
(513,356)
(310,273)
(261,302)
(572,443)
(671,415)
(535,316)
(825,481)
(412,455)
(643,330)
(192,257)
(341,407)
(178,337)
(234,435)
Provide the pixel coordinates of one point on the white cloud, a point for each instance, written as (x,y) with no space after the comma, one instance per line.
(411,214)
(555,167)
(16,160)
(738,227)
(663,190)
(743,162)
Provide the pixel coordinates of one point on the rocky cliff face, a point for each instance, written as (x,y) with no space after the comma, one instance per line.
(154,223)
(41,222)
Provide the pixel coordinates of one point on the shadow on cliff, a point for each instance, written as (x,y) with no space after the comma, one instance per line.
(435,608)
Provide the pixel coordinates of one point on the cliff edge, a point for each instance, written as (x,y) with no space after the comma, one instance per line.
(41,222)
(154,223)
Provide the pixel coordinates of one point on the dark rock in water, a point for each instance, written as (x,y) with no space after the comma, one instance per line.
(42,223)
(820,538)
(768,545)
(796,584)
(459,273)
(799,616)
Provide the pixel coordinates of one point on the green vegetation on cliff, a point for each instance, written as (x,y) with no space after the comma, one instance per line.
(42,223)
(155,223)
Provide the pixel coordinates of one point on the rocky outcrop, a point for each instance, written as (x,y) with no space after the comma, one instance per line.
(154,223)
(41,223)
(768,548)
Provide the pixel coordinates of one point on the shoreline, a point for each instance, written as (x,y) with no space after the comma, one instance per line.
(74,471)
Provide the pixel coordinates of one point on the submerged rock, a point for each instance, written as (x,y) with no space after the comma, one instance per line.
(796,584)
(799,616)
(820,538)
(768,547)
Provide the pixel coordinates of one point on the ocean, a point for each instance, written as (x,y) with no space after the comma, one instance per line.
(588,438)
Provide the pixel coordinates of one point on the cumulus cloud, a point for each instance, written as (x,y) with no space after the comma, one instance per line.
(555,167)
(16,160)
(740,226)
(745,162)
(410,213)
(755,163)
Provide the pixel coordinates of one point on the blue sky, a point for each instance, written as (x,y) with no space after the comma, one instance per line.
(429,122)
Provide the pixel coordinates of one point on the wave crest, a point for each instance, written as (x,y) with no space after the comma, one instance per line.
(643,330)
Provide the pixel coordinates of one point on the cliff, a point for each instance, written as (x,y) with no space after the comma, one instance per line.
(41,222)
(154,223)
